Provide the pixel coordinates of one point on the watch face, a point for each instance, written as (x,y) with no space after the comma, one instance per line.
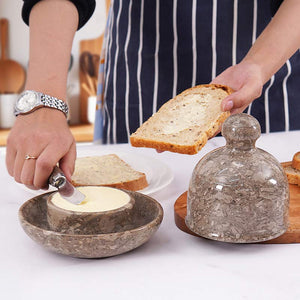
(27,101)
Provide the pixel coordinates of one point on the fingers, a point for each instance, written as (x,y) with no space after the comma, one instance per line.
(238,110)
(32,187)
(43,169)
(35,135)
(159,151)
(23,169)
(67,163)
(45,164)
(239,100)
(246,80)
(227,104)
(18,167)
(10,158)
(34,173)
(27,172)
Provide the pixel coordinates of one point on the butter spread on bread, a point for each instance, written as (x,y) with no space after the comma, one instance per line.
(186,122)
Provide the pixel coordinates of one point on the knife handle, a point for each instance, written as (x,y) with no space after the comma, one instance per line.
(57,178)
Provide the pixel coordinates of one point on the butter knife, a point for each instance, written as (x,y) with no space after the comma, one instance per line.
(65,188)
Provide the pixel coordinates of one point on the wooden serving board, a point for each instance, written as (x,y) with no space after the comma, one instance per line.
(292,235)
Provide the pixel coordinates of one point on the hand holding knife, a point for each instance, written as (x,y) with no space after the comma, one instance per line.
(65,188)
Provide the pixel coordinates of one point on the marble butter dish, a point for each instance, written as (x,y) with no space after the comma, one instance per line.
(146,216)
(105,210)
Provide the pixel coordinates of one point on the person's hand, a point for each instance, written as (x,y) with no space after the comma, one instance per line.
(246,81)
(43,134)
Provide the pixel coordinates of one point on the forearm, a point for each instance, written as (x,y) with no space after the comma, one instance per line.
(53,24)
(278,42)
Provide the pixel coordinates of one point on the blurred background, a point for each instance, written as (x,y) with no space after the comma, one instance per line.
(87,39)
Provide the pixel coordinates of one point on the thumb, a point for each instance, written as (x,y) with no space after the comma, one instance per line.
(243,97)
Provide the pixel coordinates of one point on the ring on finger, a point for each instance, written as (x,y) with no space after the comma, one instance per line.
(28,156)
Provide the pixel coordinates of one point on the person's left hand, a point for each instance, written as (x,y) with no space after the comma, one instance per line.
(246,81)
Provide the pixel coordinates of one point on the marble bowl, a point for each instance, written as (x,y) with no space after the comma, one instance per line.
(147,215)
(74,222)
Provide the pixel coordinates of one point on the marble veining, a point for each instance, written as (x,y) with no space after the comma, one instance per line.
(238,193)
(147,215)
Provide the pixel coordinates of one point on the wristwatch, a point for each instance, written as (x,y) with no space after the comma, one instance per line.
(29,101)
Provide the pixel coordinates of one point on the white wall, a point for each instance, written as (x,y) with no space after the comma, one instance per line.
(18,44)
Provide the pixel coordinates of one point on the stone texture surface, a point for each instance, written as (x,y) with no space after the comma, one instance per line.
(73,222)
(147,215)
(238,193)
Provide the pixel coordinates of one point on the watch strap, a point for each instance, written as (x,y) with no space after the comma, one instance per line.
(50,101)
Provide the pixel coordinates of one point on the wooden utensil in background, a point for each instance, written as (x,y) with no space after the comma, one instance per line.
(94,47)
(88,70)
(12,74)
(88,84)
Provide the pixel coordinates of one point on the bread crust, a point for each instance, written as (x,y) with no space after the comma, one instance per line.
(138,183)
(133,185)
(293,178)
(296,161)
(138,141)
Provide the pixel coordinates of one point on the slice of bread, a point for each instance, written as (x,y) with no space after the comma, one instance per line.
(292,174)
(186,122)
(107,170)
(296,161)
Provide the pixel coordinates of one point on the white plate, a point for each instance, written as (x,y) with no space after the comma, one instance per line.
(158,174)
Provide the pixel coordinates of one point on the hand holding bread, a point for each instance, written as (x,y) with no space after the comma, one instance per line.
(246,79)
(186,122)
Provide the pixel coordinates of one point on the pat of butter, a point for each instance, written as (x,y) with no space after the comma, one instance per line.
(97,199)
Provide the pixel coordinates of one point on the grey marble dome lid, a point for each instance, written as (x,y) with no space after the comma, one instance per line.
(241,127)
(238,193)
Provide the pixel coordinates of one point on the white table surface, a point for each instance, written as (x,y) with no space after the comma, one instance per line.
(172,265)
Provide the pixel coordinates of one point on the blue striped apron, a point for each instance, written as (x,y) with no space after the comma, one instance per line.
(155,49)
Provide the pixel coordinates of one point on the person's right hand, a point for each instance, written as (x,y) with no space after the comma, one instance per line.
(246,80)
(45,135)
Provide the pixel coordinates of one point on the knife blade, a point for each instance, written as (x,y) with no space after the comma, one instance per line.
(65,188)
